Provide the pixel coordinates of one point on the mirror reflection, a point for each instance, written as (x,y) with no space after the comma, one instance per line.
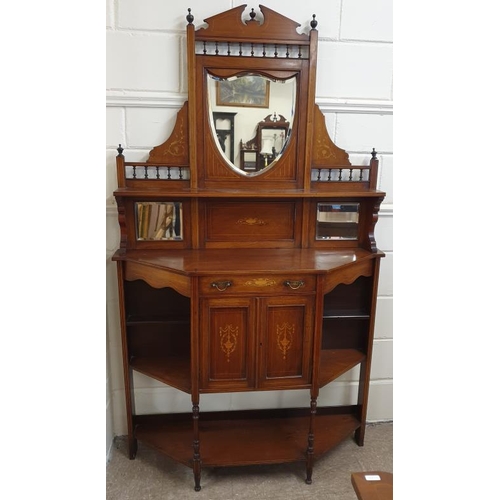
(158,221)
(337,221)
(251,118)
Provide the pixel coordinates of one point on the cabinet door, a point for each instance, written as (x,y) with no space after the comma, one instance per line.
(285,342)
(227,344)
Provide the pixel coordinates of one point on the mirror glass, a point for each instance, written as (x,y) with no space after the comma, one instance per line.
(251,118)
(158,221)
(337,221)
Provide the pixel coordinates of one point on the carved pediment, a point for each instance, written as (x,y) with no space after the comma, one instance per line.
(229,24)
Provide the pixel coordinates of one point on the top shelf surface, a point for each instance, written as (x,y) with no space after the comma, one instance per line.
(207,261)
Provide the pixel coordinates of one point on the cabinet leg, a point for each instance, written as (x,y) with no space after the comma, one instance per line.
(132,447)
(359,435)
(197,478)
(196,449)
(310,444)
(310,459)
(196,466)
(309,472)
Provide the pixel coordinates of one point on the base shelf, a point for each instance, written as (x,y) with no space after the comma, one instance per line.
(247,437)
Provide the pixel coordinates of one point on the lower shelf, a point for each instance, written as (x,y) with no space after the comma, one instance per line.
(247,437)
(174,371)
(335,362)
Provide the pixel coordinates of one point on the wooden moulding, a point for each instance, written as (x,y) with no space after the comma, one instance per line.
(158,278)
(349,274)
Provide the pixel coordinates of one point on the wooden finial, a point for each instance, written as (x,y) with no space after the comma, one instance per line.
(119,149)
(314,23)
(374,154)
(252,15)
(190,17)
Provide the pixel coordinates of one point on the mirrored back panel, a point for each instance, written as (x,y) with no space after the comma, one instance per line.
(251,118)
(158,221)
(337,221)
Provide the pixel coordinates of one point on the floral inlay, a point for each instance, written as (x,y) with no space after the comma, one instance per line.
(285,334)
(228,340)
(251,221)
(260,282)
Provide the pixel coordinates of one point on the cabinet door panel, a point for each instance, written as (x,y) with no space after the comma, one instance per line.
(227,345)
(285,342)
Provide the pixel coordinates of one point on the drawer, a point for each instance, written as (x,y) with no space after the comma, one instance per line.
(257,284)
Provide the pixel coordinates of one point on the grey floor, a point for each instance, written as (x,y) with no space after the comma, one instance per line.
(154,476)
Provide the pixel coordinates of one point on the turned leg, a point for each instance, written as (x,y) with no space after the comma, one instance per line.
(310,443)
(196,447)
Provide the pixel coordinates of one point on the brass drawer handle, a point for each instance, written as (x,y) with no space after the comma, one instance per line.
(294,285)
(221,285)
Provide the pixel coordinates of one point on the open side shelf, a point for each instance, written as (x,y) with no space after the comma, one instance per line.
(335,362)
(174,371)
(247,437)
(167,319)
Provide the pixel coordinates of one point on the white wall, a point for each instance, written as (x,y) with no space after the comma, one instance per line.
(147,84)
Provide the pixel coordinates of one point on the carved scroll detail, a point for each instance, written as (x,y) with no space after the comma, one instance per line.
(284,335)
(373,222)
(228,340)
(122,221)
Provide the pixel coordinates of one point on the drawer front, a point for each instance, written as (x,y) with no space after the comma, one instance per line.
(257,284)
(250,222)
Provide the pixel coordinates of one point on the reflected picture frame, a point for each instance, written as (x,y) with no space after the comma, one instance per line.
(251,91)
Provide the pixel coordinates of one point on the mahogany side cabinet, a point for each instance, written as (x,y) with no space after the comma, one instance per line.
(234,279)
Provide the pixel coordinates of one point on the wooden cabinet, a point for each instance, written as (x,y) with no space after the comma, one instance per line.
(256,343)
(233,280)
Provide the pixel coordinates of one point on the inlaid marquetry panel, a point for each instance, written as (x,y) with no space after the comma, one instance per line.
(286,338)
(175,150)
(227,344)
(325,152)
(250,222)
